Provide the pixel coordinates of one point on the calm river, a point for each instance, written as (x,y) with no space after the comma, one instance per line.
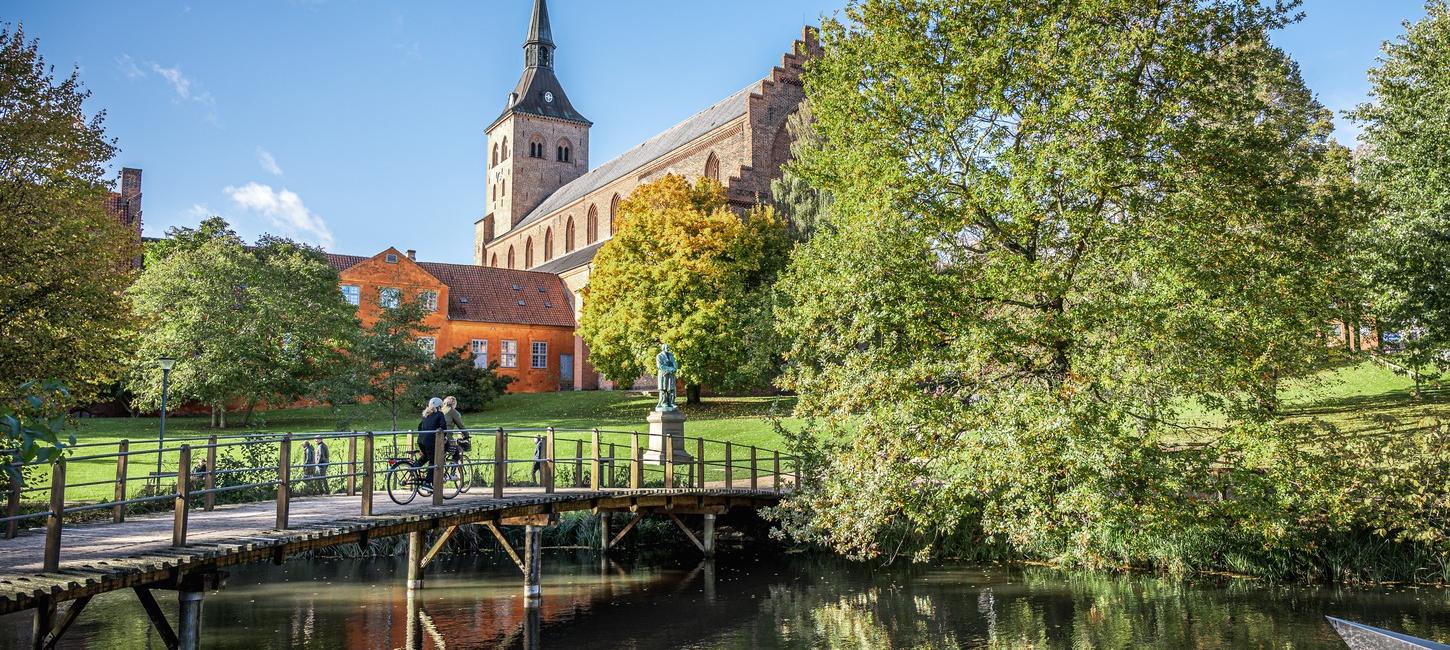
(747,600)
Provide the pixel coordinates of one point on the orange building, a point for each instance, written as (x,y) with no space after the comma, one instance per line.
(521,319)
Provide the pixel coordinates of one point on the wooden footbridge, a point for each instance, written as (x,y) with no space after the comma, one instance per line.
(228,500)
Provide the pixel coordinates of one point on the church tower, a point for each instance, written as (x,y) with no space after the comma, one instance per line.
(536,145)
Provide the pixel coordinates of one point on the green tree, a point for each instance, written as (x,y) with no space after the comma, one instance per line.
(1406,135)
(805,208)
(247,325)
(63,260)
(389,362)
(1054,226)
(456,374)
(683,269)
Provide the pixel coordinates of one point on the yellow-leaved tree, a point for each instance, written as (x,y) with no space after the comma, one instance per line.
(684,269)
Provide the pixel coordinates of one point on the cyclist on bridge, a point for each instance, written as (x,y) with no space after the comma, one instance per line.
(433,422)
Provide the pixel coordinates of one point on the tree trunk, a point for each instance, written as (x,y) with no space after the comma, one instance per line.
(247,416)
(692,393)
(213,416)
(223,412)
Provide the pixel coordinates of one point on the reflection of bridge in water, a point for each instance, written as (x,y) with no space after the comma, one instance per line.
(186,535)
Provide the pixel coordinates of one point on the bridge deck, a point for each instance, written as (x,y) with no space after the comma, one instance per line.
(100,557)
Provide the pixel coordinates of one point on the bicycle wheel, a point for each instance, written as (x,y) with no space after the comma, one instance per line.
(452,480)
(463,471)
(402,486)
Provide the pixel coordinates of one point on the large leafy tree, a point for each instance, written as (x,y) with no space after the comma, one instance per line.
(248,325)
(684,269)
(63,260)
(1406,136)
(1054,225)
(389,364)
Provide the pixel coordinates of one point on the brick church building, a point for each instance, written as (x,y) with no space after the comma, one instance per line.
(548,213)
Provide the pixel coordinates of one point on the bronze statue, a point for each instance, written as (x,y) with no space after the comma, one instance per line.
(666,366)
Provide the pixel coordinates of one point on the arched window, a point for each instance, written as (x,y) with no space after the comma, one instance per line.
(548,244)
(562,151)
(613,212)
(495,154)
(536,146)
(511,256)
(505,148)
(569,235)
(494,262)
(591,226)
(528,253)
(712,167)
(503,187)
(493,192)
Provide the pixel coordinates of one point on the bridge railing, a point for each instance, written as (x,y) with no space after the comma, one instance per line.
(112,480)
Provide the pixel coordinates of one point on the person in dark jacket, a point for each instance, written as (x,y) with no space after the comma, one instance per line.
(433,422)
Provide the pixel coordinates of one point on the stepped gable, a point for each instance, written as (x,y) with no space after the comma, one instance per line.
(484,294)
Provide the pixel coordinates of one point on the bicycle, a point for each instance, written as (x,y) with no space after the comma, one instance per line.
(407,476)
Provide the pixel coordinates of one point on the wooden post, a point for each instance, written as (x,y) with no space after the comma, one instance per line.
(500,462)
(367,478)
(604,531)
(669,453)
(549,460)
(209,501)
(188,617)
(775,478)
(700,460)
(609,470)
(183,492)
(708,535)
(635,470)
(284,481)
(578,463)
(753,469)
(415,559)
(54,522)
(123,456)
(729,470)
(352,465)
(533,541)
(440,443)
(12,506)
(595,466)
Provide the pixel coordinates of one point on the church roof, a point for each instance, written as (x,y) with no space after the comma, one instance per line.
(676,136)
(570,261)
(486,294)
(539,91)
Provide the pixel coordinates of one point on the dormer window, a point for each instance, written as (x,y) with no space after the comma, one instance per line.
(521,303)
(518,288)
(463,301)
(543,290)
(391,259)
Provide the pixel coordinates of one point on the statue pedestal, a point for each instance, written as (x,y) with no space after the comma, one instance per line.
(661,424)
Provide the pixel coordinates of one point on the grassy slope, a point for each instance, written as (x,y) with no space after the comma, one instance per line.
(740,420)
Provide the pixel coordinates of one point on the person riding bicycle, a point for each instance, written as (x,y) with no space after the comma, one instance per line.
(455,421)
(433,422)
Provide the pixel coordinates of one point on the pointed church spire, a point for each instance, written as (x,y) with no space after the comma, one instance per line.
(539,48)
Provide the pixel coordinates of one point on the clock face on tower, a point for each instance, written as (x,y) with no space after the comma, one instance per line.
(548,97)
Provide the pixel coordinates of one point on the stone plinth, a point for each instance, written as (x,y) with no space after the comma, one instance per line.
(661,424)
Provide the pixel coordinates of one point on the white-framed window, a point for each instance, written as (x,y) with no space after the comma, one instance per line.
(480,352)
(391,258)
(539,354)
(352,294)
(508,354)
(428,344)
(390,297)
(429,300)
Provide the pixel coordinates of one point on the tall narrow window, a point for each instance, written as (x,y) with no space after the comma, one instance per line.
(352,294)
(712,167)
(508,354)
(511,256)
(505,148)
(429,299)
(494,159)
(390,297)
(539,355)
(494,263)
(548,244)
(528,253)
(569,235)
(613,212)
(591,226)
(480,352)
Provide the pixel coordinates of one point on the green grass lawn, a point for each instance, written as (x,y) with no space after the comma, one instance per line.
(743,421)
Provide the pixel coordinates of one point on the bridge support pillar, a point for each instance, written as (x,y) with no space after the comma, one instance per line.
(415,560)
(533,541)
(603,531)
(188,619)
(708,536)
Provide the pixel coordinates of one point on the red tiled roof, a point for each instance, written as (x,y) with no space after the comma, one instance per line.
(486,294)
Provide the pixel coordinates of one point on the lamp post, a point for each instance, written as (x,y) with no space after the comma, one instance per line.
(166,363)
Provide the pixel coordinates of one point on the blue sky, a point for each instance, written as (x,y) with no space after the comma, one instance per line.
(359,125)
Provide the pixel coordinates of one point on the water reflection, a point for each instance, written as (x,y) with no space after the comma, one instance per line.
(745,599)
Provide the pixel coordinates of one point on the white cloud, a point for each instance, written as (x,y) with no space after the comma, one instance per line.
(284,209)
(129,68)
(185,87)
(268,163)
(179,82)
(200,211)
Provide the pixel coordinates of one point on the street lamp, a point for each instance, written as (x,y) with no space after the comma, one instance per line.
(166,363)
